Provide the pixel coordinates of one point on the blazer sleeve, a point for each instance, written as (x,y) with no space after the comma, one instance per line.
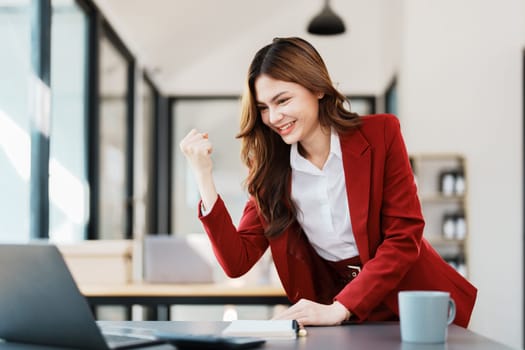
(237,250)
(401,227)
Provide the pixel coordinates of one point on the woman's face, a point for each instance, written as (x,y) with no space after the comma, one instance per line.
(289,109)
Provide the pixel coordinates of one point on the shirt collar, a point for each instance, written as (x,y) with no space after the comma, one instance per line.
(298,162)
(335,144)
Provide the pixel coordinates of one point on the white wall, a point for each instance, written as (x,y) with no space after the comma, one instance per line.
(461,91)
(391,19)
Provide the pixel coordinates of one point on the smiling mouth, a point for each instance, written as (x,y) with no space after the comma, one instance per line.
(286,126)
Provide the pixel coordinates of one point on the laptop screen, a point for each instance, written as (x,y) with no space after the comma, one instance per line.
(40,302)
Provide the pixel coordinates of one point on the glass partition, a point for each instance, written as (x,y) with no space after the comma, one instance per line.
(68,187)
(219,118)
(143,151)
(15,144)
(113,141)
(362,105)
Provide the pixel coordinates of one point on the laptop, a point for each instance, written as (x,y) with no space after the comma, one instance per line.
(41,304)
(166,259)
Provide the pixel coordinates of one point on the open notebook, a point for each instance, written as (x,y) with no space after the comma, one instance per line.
(41,304)
(265,329)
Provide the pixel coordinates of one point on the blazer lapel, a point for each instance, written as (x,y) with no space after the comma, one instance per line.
(357,164)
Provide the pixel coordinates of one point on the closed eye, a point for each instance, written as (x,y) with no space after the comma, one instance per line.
(283,100)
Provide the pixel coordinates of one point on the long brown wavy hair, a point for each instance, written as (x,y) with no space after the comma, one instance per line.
(263,150)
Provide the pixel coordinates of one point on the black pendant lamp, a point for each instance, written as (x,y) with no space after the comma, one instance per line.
(327,22)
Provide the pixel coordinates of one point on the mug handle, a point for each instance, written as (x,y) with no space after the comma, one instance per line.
(451,311)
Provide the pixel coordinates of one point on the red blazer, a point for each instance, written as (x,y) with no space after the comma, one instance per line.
(388,227)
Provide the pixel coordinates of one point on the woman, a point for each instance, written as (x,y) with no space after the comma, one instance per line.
(331,193)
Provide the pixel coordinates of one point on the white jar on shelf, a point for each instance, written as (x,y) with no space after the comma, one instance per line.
(459,183)
(461,227)
(447,183)
(449,226)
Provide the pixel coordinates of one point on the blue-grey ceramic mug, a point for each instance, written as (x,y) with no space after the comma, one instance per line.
(424,316)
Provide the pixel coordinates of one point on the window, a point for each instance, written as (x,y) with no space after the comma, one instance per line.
(15,146)
(68,187)
(144,171)
(114,177)
(219,117)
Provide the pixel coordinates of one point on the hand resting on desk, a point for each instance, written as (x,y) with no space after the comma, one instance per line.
(309,313)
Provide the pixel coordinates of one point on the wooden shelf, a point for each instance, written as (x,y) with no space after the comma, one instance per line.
(444,241)
(428,170)
(437,156)
(437,197)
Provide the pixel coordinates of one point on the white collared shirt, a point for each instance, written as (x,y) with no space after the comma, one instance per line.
(322,203)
